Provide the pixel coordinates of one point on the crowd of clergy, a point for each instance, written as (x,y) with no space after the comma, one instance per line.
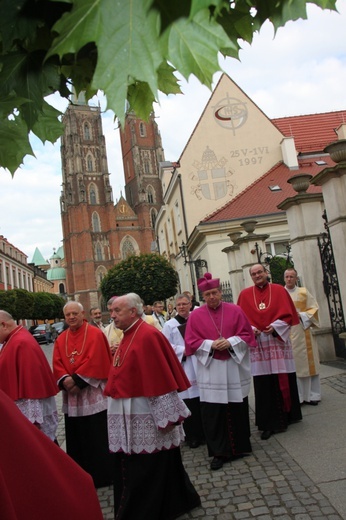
(135,389)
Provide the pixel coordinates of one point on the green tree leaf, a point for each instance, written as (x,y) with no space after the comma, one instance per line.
(48,127)
(128,49)
(15,143)
(192,47)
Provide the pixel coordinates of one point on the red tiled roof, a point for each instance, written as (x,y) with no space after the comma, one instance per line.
(257,199)
(311,132)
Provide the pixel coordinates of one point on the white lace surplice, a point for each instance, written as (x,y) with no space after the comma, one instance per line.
(273,355)
(135,425)
(42,412)
(88,402)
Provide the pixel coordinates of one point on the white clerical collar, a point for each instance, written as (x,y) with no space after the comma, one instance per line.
(134,323)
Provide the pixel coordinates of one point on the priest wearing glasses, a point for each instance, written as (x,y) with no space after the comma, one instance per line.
(220,335)
(271,315)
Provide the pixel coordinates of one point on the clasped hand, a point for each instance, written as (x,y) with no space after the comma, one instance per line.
(221,344)
(267,330)
(70,386)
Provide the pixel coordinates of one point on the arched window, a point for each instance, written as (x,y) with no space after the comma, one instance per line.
(100,273)
(150,195)
(99,256)
(86,131)
(146,166)
(127,248)
(90,165)
(96,227)
(92,194)
(142,129)
(61,288)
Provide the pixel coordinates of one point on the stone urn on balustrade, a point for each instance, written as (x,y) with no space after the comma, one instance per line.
(300,182)
(337,150)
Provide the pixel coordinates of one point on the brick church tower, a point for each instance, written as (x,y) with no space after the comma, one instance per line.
(142,152)
(96,233)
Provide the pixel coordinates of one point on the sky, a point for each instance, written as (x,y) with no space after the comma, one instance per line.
(302,70)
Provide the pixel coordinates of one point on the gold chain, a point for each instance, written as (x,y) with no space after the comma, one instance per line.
(116,360)
(262,306)
(75,352)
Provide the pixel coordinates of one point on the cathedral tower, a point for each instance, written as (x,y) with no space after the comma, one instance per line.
(86,204)
(96,233)
(142,152)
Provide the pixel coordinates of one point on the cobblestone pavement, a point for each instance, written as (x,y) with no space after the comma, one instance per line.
(268,484)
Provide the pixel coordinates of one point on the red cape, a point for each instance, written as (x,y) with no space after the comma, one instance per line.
(37,479)
(94,360)
(279,305)
(24,370)
(150,367)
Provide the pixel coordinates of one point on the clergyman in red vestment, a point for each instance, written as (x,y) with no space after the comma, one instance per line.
(81,362)
(26,377)
(145,416)
(271,313)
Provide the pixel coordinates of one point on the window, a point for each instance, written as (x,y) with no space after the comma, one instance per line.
(86,131)
(142,130)
(90,165)
(150,195)
(93,194)
(96,227)
(275,187)
(99,256)
(277,248)
(100,273)
(127,248)
(61,288)
(146,166)
(153,215)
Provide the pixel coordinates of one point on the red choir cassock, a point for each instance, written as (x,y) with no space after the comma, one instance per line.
(151,368)
(37,479)
(278,305)
(83,351)
(24,370)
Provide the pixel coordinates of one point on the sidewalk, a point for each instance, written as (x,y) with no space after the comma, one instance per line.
(299,474)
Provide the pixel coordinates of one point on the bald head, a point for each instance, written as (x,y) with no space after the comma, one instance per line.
(7,325)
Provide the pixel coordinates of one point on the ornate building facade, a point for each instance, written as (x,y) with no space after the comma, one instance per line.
(97,234)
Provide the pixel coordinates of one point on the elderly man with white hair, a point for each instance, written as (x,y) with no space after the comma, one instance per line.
(81,363)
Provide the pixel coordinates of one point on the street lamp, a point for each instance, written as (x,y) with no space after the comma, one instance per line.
(199,263)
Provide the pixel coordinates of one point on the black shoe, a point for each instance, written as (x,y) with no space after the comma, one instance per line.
(217,463)
(312,403)
(266,435)
(193,444)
